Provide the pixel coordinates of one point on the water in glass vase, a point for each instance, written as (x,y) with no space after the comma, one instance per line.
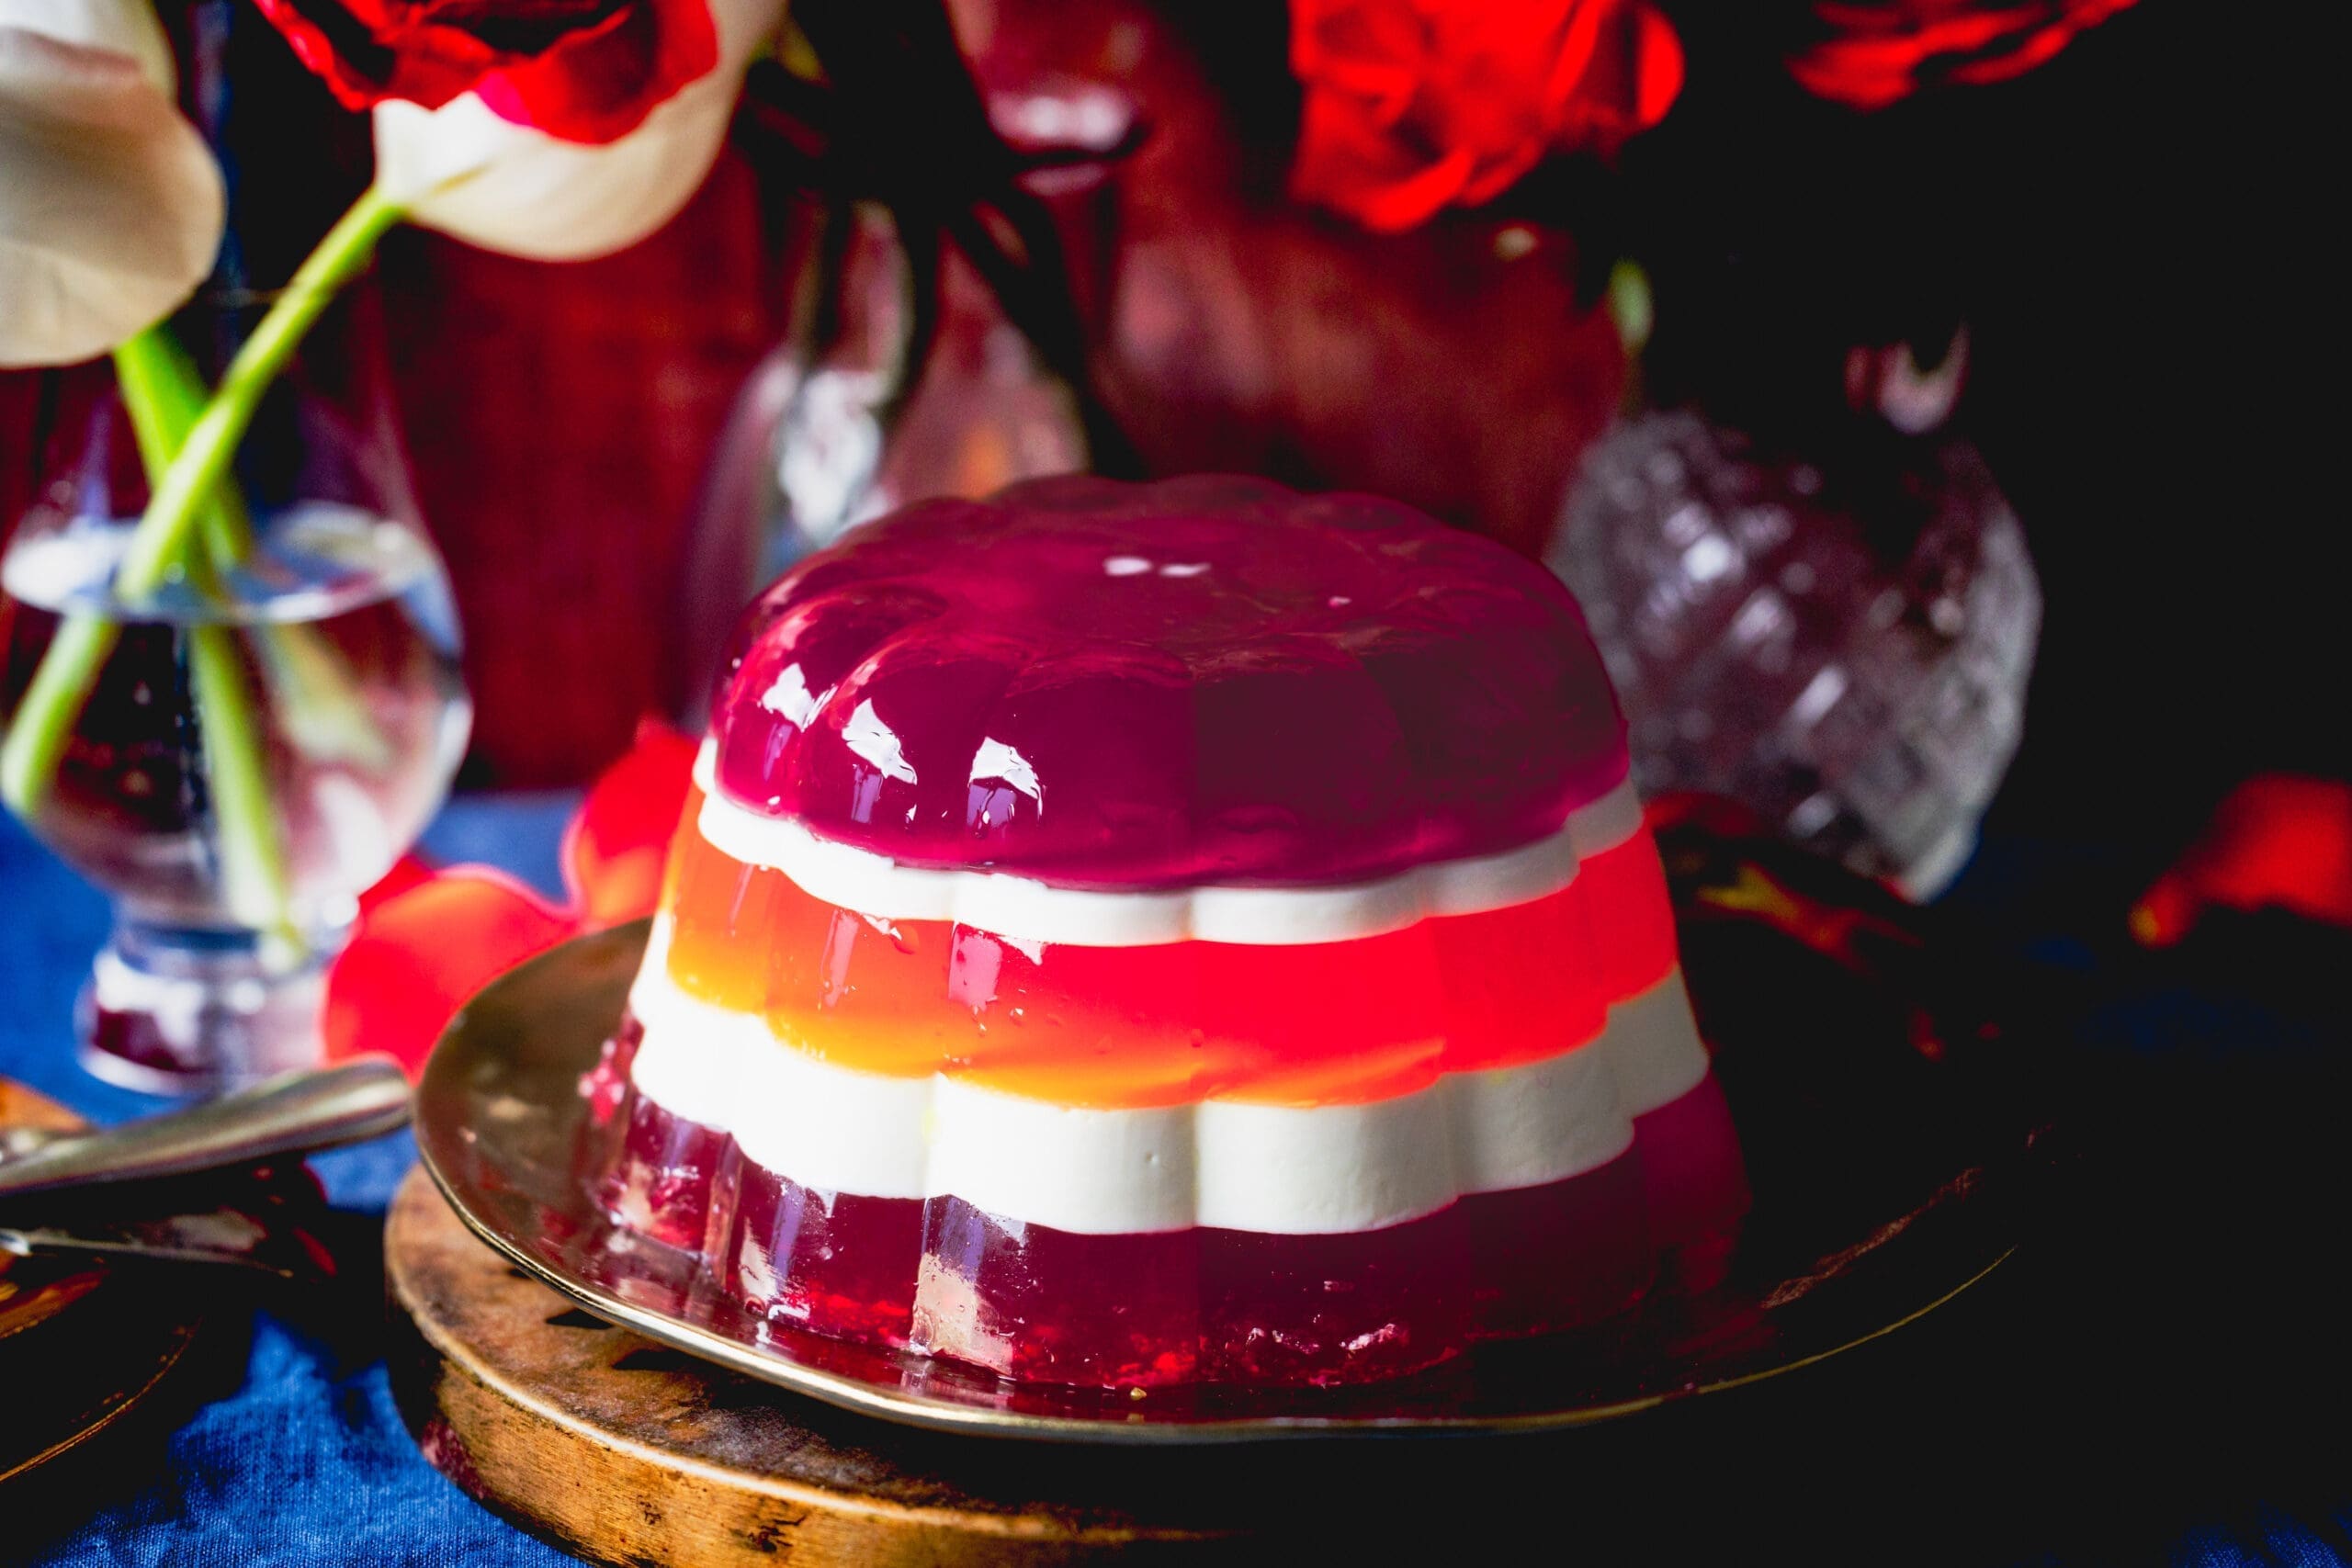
(250,754)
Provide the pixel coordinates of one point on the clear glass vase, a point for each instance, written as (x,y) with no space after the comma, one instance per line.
(851,417)
(237,756)
(1839,636)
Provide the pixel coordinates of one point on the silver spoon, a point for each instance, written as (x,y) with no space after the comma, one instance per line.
(315,1109)
(39,1243)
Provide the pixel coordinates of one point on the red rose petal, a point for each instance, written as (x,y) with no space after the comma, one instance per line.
(616,844)
(368,50)
(598,84)
(1658,69)
(1869,56)
(406,872)
(2276,842)
(592,82)
(1414,106)
(417,956)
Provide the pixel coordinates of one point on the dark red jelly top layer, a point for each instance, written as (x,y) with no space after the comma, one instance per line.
(1208,680)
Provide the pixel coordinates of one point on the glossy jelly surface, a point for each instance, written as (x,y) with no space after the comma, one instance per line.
(1201,686)
(1175,1022)
(1203,1305)
(1204,681)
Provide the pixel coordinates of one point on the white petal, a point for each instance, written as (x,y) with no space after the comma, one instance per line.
(506,187)
(111,206)
(115,27)
(526,194)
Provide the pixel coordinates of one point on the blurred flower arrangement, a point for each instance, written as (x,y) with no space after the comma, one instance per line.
(584,142)
(563,136)
(567,132)
(1871,54)
(1414,106)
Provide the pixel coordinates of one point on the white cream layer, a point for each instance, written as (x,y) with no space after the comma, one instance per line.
(1288,1170)
(1030,910)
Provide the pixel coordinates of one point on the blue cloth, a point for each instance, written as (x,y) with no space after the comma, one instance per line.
(2165,1381)
(308,1463)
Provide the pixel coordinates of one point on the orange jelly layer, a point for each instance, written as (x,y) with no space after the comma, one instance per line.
(1318,1023)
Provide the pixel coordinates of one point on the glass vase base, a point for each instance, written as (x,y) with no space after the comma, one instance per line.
(191,1012)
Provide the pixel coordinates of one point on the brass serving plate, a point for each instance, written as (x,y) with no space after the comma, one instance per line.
(1891,1164)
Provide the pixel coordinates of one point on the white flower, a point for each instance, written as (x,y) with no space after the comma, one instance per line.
(507,187)
(111,207)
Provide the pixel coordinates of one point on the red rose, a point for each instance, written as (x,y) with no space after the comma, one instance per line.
(585,70)
(1876,52)
(1413,106)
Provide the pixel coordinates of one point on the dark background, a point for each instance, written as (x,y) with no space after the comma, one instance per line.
(2135,236)
(2134,233)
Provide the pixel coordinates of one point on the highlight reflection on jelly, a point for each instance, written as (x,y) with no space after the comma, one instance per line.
(1330,1022)
(1000,778)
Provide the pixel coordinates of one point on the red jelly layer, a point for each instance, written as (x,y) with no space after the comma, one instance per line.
(836,1263)
(1144,686)
(1317,1023)
(1197,1305)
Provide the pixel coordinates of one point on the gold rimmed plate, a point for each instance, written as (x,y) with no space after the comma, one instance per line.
(1890,1142)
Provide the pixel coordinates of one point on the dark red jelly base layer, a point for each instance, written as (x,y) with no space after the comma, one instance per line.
(1197,1305)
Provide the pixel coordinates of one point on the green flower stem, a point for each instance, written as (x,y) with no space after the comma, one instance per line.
(252,860)
(197,528)
(305,678)
(162,398)
(158,548)
(37,737)
(161,392)
(318,703)
(165,395)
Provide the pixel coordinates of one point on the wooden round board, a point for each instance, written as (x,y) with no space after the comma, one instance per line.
(624,1451)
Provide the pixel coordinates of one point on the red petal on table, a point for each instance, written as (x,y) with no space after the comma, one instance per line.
(406,872)
(614,847)
(2276,842)
(417,956)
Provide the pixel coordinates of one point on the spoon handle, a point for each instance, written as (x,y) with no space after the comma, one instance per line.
(301,1111)
(36,1244)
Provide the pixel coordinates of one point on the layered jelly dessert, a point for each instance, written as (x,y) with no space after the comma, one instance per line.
(1133,935)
